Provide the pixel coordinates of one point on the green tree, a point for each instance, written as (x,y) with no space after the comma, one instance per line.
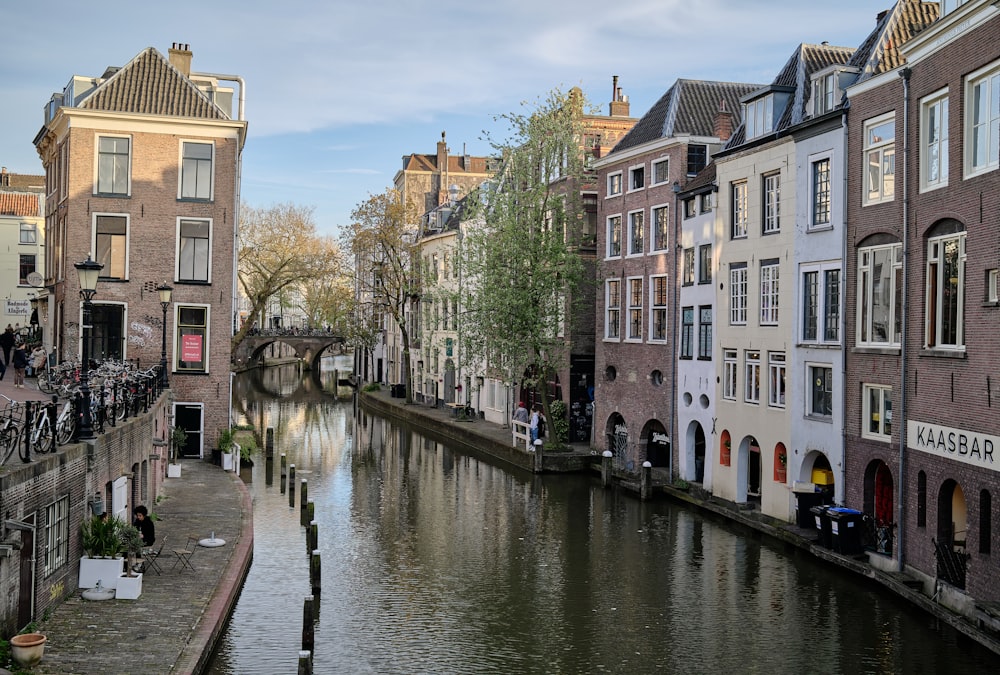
(521,266)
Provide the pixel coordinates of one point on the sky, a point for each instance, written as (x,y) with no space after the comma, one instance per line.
(338,92)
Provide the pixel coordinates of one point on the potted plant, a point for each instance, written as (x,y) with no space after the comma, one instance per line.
(129,585)
(102,545)
(27,649)
(178,439)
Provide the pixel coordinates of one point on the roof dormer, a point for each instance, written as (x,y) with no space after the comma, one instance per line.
(763,108)
(827,88)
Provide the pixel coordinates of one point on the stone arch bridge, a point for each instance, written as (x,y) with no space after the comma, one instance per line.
(309,348)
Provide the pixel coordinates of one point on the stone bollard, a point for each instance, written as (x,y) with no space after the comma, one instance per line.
(291,485)
(314,569)
(308,625)
(305,663)
(606,468)
(646,481)
(303,500)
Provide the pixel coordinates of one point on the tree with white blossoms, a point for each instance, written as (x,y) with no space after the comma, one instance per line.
(521,268)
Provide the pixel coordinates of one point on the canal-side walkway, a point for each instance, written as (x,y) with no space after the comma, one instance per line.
(176,621)
(494,440)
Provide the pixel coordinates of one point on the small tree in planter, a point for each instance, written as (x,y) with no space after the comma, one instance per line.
(101,541)
(178,439)
(130,541)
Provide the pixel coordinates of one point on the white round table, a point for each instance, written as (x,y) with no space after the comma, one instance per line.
(212,542)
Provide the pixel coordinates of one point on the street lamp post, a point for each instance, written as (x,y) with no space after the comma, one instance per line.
(89,271)
(164,292)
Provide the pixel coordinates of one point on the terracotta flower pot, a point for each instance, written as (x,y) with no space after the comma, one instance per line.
(27,648)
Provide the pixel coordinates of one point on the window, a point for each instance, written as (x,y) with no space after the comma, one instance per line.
(56,535)
(107,335)
(637,178)
(772,203)
(687,332)
(820,388)
(196,170)
(706,202)
(880,287)
(738,294)
(820,305)
(751,393)
(877,422)
(992,294)
(688,268)
(945,291)
(776,379)
(613,303)
(194,250)
(112,246)
(705,264)
(113,165)
(880,159)
(821,193)
(661,171)
(985,521)
(823,90)
(759,116)
(636,225)
(26,267)
(705,332)
(658,312)
(660,231)
(934,141)
(690,208)
(614,184)
(768,292)
(614,236)
(28,233)
(697,158)
(729,369)
(738,215)
(921,499)
(635,309)
(191,339)
(982,124)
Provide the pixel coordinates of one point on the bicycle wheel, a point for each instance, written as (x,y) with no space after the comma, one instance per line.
(45,383)
(9,437)
(41,434)
(65,428)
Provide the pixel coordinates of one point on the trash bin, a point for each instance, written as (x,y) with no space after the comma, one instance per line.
(822,525)
(845,530)
(804,501)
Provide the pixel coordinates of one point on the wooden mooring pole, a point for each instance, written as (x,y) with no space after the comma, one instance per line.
(303,500)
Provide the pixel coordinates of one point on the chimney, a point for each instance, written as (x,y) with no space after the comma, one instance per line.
(723,122)
(4,177)
(619,102)
(442,154)
(180,58)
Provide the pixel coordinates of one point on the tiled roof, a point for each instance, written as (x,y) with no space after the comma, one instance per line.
(879,52)
(704,178)
(455,164)
(690,107)
(150,85)
(25,205)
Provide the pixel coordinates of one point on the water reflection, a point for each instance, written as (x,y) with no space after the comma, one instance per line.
(436,562)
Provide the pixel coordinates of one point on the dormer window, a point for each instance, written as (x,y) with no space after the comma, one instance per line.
(823,99)
(759,116)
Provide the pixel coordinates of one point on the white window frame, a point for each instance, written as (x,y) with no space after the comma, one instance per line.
(821,200)
(127,168)
(27,233)
(935,295)
(751,371)
(882,149)
(612,309)
(614,181)
(632,171)
(818,375)
(867,293)
(178,341)
(687,333)
(656,164)
(738,216)
(687,267)
(738,289)
(824,91)
(659,214)
(128,243)
(934,141)
(195,164)
(613,225)
(759,116)
(658,310)
(769,292)
(989,77)
(884,415)
(777,384)
(705,321)
(704,263)
(816,309)
(636,232)
(770,187)
(179,248)
(56,535)
(634,287)
(730,370)
(993,286)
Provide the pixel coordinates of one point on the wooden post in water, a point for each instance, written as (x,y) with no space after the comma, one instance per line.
(283,472)
(305,663)
(291,485)
(308,625)
(314,569)
(269,442)
(606,468)
(646,481)
(312,536)
(310,511)
(303,499)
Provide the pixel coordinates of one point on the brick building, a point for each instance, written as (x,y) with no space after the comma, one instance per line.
(22,250)
(142,168)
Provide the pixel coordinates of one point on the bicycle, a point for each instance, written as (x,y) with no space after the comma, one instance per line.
(10,430)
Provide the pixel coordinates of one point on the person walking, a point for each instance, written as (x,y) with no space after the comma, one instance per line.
(7,344)
(38,359)
(537,425)
(20,362)
(521,414)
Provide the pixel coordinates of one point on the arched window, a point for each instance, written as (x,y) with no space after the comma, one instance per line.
(725,449)
(921,499)
(780,463)
(985,521)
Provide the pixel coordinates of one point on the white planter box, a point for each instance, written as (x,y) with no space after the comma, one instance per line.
(107,570)
(173,470)
(129,588)
(227,461)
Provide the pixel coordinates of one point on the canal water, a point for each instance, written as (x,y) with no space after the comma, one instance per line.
(435,562)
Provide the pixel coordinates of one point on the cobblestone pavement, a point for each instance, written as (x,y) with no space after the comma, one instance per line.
(180,613)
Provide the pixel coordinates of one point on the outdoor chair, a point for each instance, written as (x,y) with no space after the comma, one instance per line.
(150,557)
(184,554)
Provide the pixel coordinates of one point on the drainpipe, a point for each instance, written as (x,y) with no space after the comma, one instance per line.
(843,319)
(900,506)
(673,338)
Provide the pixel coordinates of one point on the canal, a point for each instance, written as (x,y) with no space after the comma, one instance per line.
(435,562)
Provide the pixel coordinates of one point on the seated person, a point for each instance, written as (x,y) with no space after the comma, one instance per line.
(145,525)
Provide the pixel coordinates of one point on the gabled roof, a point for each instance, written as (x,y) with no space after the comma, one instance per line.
(21,204)
(879,53)
(688,107)
(150,85)
(456,164)
(703,179)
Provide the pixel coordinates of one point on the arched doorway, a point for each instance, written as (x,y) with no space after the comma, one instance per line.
(748,466)
(952,530)
(616,436)
(696,452)
(449,381)
(657,444)
(879,503)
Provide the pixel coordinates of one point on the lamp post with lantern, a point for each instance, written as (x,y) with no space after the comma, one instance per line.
(164,290)
(88,271)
